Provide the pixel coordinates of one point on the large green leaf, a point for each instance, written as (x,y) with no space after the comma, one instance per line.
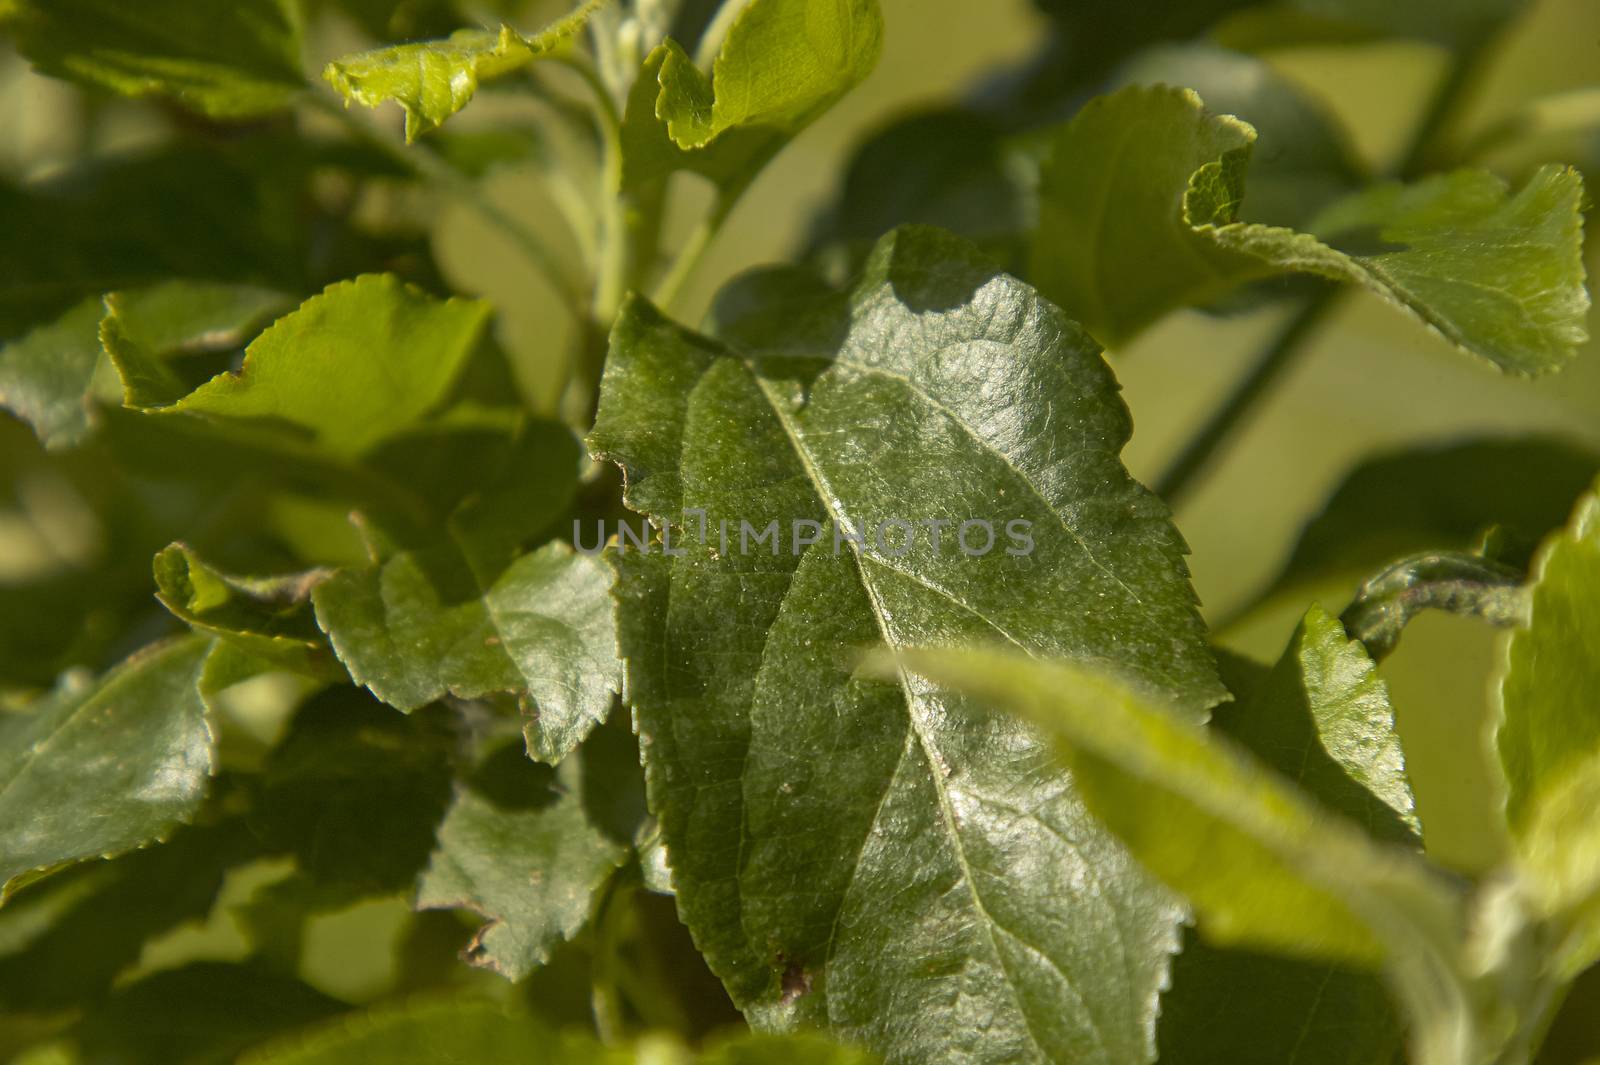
(432,80)
(232,60)
(1265,866)
(98,769)
(1139,214)
(1322,719)
(351,367)
(878,857)
(518,847)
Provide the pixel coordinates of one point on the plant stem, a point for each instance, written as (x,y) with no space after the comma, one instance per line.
(425,164)
(1443,110)
(1180,477)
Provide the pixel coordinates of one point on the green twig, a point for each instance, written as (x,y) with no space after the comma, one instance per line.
(1180,477)
(1436,124)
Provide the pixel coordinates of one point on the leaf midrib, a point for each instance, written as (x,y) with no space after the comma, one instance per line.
(933,760)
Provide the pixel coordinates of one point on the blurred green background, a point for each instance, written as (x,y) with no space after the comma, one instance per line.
(1372,381)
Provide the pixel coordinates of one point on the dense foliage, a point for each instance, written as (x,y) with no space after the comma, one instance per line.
(811,683)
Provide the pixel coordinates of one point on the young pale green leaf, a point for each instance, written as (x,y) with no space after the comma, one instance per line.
(1548,725)
(268,618)
(783,63)
(420,625)
(46,376)
(352,367)
(432,80)
(1321,718)
(1122,242)
(518,848)
(98,769)
(1549,734)
(1264,865)
(881,858)
(234,60)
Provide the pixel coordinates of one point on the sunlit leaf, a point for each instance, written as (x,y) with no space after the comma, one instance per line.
(880,858)
(1140,208)
(103,767)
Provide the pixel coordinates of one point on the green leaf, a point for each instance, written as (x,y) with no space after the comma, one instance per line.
(426,1033)
(1276,871)
(1322,719)
(178,318)
(46,376)
(758,1048)
(1139,214)
(1548,724)
(102,914)
(783,63)
(432,80)
(268,618)
(951,168)
(236,60)
(420,626)
(518,848)
(352,367)
(50,377)
(865,855)
(1264,866)
(1307,160)
(1441,497)
(355,792)
(198,1014)
(1245,1008)
(476,1030)
(98,769)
